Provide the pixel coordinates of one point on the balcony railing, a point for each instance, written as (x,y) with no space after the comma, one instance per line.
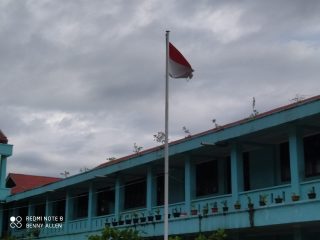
(98,223)
(266,196)
(265,212)
(77,226)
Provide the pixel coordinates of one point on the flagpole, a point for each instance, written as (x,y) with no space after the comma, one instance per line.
(166,146)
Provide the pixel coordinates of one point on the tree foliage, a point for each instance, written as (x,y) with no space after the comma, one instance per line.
(201,237)
(9,238)
(219,234)
(117,234)
(175,238)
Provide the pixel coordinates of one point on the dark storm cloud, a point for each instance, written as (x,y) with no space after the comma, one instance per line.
(83,80)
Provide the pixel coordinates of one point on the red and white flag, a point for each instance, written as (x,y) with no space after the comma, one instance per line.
(179,67)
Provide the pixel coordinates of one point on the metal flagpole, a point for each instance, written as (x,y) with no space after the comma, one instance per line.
(166,146)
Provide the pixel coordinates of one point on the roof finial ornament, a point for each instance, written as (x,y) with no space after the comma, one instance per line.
(65,174)
(254,110)
(298,98)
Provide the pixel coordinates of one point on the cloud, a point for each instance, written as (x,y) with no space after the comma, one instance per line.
(82,81)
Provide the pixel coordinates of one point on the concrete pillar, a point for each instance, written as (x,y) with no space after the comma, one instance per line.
(92,204)
(150,189)
(48,212)
(68,211)
(48,207)
(3,171)
(296,158)
(30,211)
(188,184)
(4,192)
(5,151)
(236,171)
(118,200)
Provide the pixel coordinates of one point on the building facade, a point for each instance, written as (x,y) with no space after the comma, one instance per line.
(256,178)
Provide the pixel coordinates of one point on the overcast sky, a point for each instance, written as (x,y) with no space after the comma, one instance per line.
(82,81)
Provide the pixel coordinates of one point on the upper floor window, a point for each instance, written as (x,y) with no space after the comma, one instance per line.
(105,200)
(135,194)
(59,208)
(206,178)
(312,155)
(40,210)
(285,162)
(81,205)
(160,189)
(228,175)
(246,171)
